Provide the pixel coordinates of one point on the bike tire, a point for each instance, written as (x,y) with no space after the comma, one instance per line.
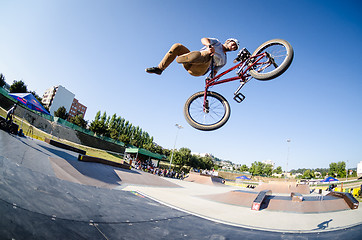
(218,115)
(281,51)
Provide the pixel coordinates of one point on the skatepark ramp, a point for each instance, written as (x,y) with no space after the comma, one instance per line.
(259,199)
(204,179)
(284,187)
(86,158)
(348,197)
(64,146)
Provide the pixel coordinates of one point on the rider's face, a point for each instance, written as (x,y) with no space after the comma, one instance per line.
(232,45)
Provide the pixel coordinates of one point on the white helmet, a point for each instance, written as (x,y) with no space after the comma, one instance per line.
(234,40)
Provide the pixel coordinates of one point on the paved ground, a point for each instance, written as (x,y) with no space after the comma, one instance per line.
(194,202)
(46,193)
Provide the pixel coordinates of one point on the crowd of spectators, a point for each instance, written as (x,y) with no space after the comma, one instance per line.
(209,172)
(332,187)
(149,167)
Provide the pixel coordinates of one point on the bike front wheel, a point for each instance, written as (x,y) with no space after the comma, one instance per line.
(277,57)
(210,117)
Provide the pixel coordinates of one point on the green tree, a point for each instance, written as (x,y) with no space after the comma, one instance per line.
(333,170)
(244,168)
(166,152)
(2,80)
(98,125)
(341,169)
(119,129)
(125,139)
(337,169)
(207,163)
(113,127)
(278,170)
(257,168)
(182,157)
(194,162)
(79,121)
(268,169)
(18,87)
(103,124)
(308,174)
(61,113)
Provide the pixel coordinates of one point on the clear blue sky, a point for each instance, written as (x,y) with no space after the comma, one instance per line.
(99,50)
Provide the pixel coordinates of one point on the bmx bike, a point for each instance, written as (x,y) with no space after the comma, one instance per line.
(208,110)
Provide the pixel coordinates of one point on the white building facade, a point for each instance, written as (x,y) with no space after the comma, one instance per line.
(56,97)
(359,169)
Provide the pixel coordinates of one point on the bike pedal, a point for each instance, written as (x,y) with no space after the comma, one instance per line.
(239,97)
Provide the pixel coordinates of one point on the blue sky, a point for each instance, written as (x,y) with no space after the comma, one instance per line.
(99,50)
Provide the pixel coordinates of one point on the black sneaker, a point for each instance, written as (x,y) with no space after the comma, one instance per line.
(154,70)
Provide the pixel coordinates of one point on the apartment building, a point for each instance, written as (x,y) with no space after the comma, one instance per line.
(359,169)
(77,109)
(58,96)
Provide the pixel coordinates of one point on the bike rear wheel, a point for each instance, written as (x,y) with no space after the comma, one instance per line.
(279,51)
(215,116)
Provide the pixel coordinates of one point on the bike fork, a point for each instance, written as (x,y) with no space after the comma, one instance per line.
(206,102)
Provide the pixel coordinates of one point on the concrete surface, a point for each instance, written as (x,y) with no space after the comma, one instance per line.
(45,192)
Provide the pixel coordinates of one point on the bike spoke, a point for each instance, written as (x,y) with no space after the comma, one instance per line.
(277,52)
(214,115)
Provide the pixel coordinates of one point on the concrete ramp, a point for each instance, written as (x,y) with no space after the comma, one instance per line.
(284,187)
(64,146)
(97,175)
(137,177)
(258,201)
(204,179)
(105,176)
(267,200)
(350,200)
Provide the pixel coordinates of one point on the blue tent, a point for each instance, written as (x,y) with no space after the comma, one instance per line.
(243,177)
(30,101)
(330,179)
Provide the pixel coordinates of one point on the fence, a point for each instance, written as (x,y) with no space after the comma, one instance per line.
(86,131)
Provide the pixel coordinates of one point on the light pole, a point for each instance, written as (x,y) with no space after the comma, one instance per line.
(286,169)
(178,128)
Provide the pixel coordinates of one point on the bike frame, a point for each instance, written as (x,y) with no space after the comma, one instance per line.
(242,74)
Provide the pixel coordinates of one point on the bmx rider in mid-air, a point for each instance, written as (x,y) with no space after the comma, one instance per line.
(197,63)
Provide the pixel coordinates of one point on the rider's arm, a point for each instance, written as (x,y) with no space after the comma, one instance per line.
(216,69)
(208,43)
(211,76)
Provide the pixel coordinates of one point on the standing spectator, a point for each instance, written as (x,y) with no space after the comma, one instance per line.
(10,113)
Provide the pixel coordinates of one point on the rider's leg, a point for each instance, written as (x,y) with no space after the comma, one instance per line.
(194,57)
(197,69)
(176,50)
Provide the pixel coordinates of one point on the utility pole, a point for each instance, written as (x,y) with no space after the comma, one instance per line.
(178,128)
